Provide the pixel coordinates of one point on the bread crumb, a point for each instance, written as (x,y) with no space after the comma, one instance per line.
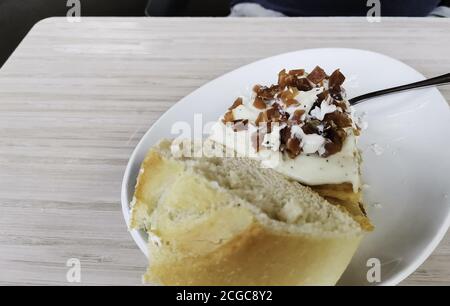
(290,212)
(376,205)
(377,149)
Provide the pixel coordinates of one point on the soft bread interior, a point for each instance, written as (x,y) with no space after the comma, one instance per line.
(241,182)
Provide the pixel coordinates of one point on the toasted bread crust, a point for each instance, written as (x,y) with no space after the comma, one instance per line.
(258,256)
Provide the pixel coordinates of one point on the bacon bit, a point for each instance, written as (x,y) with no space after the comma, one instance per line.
(297,72)
(317,75)
(291,102)
(297,116)
(236,103)
(293,147)
(341,120)
(259,103)
(303,84)
(257,88)
(336,79)
(228,117)
(240,125)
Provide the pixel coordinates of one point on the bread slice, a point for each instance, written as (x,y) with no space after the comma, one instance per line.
(227,221)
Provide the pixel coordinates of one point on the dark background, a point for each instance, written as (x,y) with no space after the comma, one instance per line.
(18,16)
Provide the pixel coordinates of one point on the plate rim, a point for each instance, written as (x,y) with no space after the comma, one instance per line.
(137,235)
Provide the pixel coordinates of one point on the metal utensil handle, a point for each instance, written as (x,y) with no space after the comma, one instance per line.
(439,80)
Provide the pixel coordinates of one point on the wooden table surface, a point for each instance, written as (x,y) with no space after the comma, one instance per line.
(75,98)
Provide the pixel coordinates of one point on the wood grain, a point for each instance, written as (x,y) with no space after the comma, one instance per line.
(75,98)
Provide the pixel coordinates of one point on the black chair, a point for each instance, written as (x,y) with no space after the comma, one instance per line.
(188,8)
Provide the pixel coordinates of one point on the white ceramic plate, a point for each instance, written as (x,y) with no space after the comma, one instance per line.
(405,149)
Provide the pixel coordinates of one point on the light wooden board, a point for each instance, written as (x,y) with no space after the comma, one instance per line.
(75,98)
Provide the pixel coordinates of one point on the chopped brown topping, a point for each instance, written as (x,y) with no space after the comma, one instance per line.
(293,147)
(285,134)
(259,103)
(289,143)
(273,101)
(311,127)
(336,92)
(262,117)
(303,84)
(336,140)
(336,79)
(286,95)
(340,104)
(341,120)
(240,125)
(267,93)
(337,96)
(257,88)
(282,75)
(291,102)
(317,75)
(288,79)
(297,116)
(236,103)
(228,117)
(294,89)
(273,114)
(322,96)
(297,72)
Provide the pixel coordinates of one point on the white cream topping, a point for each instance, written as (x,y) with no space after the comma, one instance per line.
(271,140)
(309,169)
(342,167)
(325,108)
(310,143)
(243,112)
(307,98)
